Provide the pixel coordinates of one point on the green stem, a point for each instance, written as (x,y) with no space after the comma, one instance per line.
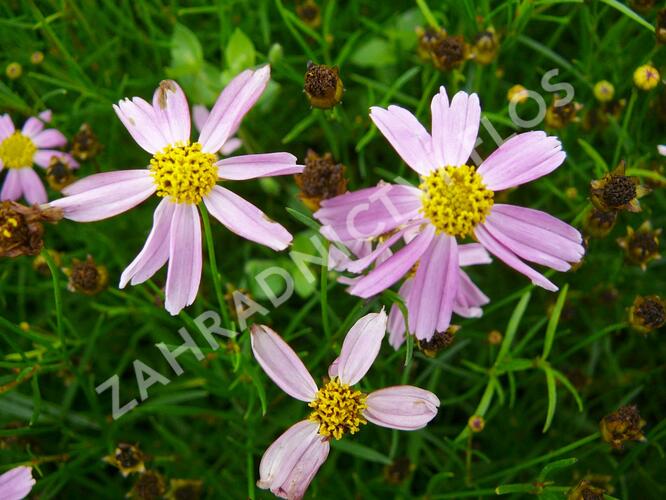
(217,283)
(57,297)
(324,293)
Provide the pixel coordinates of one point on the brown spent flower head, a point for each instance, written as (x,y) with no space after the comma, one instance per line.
(439,341)
(184,489)
(647,313)
(428,37)
(321,179)
(85,144)
(641,246)
(660,27)
(585,490)
(40,265)
(323,86)
(309,13)
(476,423)
(599,223)
(495,337)
(86,277)
(148,486)
(621,426)
(486,46)
(21,228)
(399,470)
(616,191)
(560,115)
(127,458)
(449,52)
(59,174)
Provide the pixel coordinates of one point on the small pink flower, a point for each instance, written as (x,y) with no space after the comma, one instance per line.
(20,150)
(662,149)
(200,116)
(184,174)
(453,201)
(16,483)
(291,462)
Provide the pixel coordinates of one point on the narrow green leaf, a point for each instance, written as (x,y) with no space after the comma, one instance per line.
(512,327)
(301,217)
(552,397)
(629,13)
(361,451)
(553,321)
(569,386)
(599,162)
(558,464)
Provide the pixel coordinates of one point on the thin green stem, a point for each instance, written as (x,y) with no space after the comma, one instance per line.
(57,297)
(324,293)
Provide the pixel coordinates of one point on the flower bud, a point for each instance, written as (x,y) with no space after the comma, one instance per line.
(646,77)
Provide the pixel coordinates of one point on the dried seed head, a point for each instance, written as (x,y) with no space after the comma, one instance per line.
(449,52)
(85,144)
(615,191)
(560,115)
(148,486)
(439,341)
(585,490)
(59,174)
(309,13)
(323,86)
(184,489)
(642,245)
(621,426)
(476,423)
(428,38)
(598,223)
(21,228)
(86,277)
(321,179)
(647,313)
(127,458)
(399,470)
(486,46)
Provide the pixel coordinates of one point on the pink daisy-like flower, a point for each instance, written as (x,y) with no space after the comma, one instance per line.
(453,201)
(20,150)
(200,116)
(662,149)
(291,462)
(184,173)
(16,483)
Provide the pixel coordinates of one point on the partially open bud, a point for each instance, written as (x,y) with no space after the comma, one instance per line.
(646,77)
(86,277)
(127,458)
(621,426)
(14,70)
(59,174)
(517,94)
(604,91)
(476,423)
(647,313)
(321,179)
(309,13)
(439,341)
(615,191)
(495,337)
(37,57)
(598,223)
(560,115)
(21,229)
(585,490)
(85,145)
(323,86)
(184,489)
(641,246)
(148,486)
(486,46)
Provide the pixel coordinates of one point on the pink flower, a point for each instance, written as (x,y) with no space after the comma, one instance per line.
(19,150)
(662,149)
(454,200)
(184,174)
(291,462)
(16,483)
(200,115)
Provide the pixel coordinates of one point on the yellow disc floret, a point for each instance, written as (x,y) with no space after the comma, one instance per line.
(338,409)
(455,200)
(17,151)
(185,173)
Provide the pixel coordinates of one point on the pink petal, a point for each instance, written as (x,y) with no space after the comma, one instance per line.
(539,218)
(395,267)
(104,179)
(46,116)
(240,168)
(32,127)
(472,254)
(246,220)
(357,266)
(282,364)
(430,304)
(333,369)
(508,257)
(199,116)
(155,252)
(396,321)
(16,483)
(286,454)
(361,346)
(184,272)
(6,126)
(521,159)
(454,127)
(143,125)
(230,146)
(298,481)
(32,186)
(49,138)
(368,212)
(407,136)
(11,188)
(469,298)
(43,158)
(172,112)
(107,200)
(233,104)
(402,407)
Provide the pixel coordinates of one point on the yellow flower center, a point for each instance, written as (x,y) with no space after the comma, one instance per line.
(9,224)
(338,409)
(184,173)
(17,151)
(455,200)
